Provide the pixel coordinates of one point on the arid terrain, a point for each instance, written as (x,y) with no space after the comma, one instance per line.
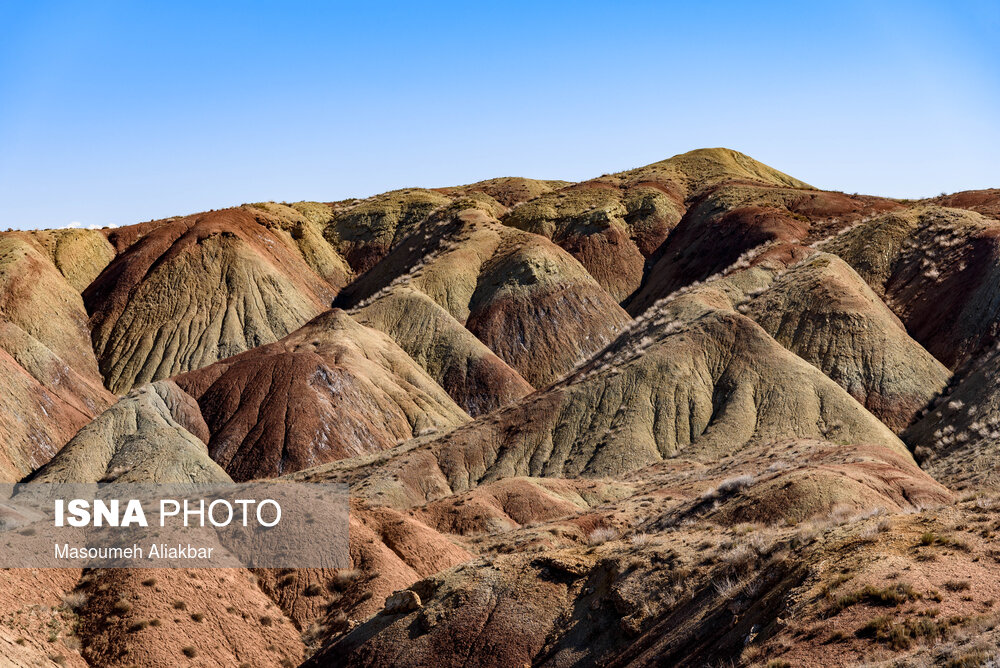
(698,413)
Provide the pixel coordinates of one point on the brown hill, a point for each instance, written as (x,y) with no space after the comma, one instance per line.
(716,481)
(363,231)
(704,387)
(507,191)
(329,390)
(194,290)
(936,268)
(614,223)
(49,377)
(728,224)
(500,282)
(986,202)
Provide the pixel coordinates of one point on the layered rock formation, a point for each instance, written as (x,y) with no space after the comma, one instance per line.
(659,417)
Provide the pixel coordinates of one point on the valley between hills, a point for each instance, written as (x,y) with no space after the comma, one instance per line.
(698,413)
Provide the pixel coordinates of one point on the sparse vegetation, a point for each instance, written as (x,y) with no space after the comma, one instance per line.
(74,600)
(893,595)
(601,535)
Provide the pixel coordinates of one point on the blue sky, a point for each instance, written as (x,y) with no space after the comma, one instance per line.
(118,112)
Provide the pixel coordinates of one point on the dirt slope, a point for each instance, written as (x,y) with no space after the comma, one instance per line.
(79,255)
(826,314)
(500,282)
(686,585)
(461,364)
(937,269)
(38,299)
(154,434)
(195,290)
(329,390)
(957,440)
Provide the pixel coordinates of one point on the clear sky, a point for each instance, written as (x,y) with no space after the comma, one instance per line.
(118,112)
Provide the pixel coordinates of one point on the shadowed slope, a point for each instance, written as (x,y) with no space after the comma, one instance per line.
(539,310)
(195,290)
(959,439)
(528,300)
(469,372)
(937,269)
(365,230)
(614,223)
(330,390)
(736,220)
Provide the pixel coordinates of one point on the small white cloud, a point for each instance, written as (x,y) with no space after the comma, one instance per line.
(93,227)
(73,225)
